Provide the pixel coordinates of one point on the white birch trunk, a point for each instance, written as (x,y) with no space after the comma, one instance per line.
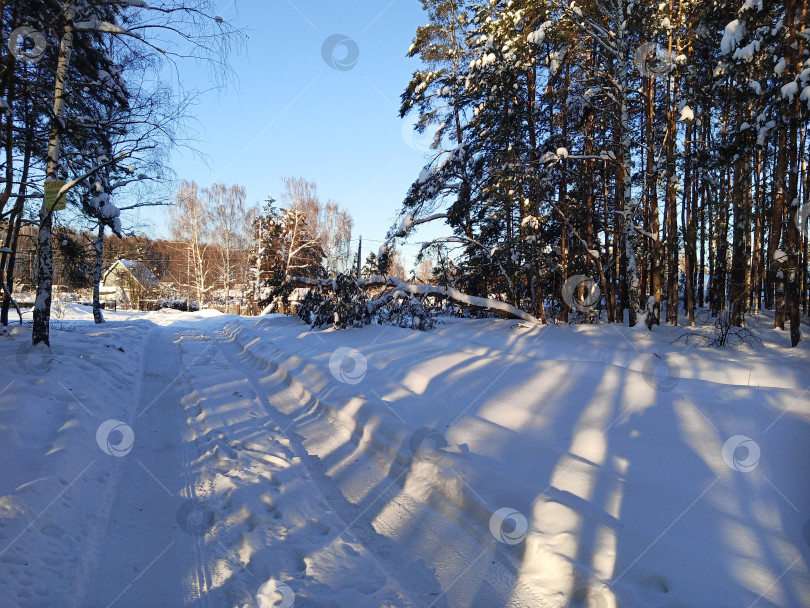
(630,235)
(42,306)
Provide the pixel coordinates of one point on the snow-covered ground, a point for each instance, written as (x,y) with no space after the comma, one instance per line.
(197,459)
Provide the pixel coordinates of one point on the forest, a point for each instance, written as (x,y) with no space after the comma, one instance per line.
(655,149)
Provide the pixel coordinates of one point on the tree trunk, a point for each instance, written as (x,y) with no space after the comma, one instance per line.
(14,224)
(792,238)
(738,289)
(98,316)
(689,213)
(657,269)
(776,275)
(42,306)
(671,209)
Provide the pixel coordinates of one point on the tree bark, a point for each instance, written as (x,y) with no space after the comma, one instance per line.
(98,316)
(42,305)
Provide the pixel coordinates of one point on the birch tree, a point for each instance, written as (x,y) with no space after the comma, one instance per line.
(190,222)
(226,205)
(159,29)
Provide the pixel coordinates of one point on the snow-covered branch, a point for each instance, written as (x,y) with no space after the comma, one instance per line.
(454,295)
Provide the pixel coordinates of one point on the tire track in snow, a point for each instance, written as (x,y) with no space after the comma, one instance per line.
(414,529)
(271,521)
(143,558)
(201,578)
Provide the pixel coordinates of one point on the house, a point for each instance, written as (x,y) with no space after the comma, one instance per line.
(129,284)
(297,298)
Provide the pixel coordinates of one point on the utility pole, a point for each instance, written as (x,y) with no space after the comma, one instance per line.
(188,279)
(359,257)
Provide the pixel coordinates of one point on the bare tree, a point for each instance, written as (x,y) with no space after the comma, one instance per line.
(303,249)
(424,272)
(333,227)
(395,266)
(226,205)
(190,222)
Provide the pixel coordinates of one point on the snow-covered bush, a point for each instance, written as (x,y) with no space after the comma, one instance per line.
(342,306)
(407,311)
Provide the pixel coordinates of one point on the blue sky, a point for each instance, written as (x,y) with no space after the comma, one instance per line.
(290,113)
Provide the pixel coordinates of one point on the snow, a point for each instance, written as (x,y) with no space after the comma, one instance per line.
(755,86)
(562,153)
(175,459)
(746,53)
(539,35)
(780,67)
(549,157)
(687,113)
(789,90)
(531,222)
(732,35)
(104,26)
(405,225)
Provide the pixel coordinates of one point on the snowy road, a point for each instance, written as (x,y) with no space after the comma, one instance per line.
(182,460)
(141,538)
(183,523)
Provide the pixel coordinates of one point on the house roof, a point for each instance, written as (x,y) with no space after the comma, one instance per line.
(138,270)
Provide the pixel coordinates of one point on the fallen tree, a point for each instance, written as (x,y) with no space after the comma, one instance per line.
(345,301)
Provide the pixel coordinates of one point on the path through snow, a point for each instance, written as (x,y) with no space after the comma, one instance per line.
(214,507)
